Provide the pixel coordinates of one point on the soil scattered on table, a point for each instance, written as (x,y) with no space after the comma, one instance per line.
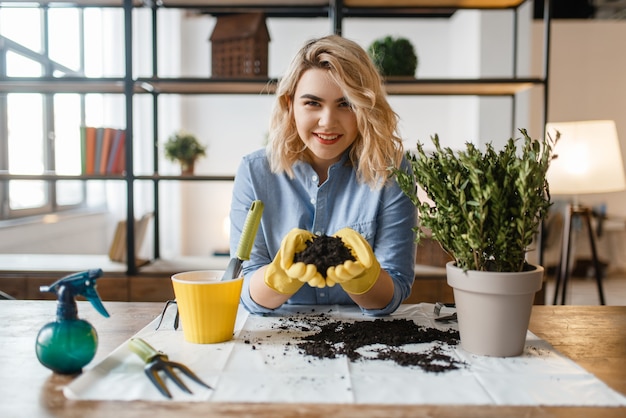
(324,251)
(377,339)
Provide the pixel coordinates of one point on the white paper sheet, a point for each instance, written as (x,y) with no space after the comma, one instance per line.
(263,364)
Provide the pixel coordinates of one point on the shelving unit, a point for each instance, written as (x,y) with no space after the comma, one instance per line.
(335,10)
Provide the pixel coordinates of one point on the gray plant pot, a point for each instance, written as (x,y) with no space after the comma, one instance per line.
(494,308)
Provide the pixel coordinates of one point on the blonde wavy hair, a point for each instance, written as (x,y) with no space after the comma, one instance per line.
(377,147)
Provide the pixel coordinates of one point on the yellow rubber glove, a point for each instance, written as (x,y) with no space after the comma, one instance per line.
(356,277)
(285,276)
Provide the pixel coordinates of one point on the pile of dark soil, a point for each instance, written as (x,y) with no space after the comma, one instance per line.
(324,251)
(330,338)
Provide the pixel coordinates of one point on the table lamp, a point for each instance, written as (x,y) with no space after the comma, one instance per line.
(588,160)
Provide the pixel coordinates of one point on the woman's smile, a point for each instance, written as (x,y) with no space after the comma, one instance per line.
(327,138)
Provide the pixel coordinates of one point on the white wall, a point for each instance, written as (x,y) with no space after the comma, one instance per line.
(587,81)
(71,234)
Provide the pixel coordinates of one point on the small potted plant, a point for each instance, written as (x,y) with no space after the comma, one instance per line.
(184,148)
(484,209)
(394,57)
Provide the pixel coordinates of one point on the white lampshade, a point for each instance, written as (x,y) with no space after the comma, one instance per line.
(589,159)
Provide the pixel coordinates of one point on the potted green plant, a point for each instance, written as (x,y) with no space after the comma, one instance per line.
(394,57)
(484,209)
(184,148)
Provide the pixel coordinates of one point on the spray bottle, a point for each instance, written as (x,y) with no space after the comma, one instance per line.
(69,343)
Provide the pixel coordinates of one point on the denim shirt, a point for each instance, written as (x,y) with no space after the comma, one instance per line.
(385,217)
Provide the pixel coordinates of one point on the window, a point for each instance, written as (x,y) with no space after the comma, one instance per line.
(39,132)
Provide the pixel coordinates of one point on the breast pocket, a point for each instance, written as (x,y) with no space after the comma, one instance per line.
(367,230)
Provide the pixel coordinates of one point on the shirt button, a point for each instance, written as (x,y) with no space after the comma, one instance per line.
(322,294)
(315,178)
(312,200)
(318,232)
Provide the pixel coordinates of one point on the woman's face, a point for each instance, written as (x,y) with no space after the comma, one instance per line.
(324,119)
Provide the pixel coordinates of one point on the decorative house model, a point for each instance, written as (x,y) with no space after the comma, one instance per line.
(239,46)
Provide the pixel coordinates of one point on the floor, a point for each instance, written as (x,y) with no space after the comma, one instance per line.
(584,291)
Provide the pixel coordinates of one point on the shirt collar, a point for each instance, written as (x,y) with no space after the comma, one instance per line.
(343,161)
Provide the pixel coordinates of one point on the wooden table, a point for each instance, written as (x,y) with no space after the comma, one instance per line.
(593,336)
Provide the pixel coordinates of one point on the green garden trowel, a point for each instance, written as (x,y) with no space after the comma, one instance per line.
(248,234)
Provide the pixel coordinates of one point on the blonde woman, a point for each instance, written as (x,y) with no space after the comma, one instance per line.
(333,137)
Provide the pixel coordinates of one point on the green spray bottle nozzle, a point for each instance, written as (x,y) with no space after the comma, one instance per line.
(68,343)
(77,284)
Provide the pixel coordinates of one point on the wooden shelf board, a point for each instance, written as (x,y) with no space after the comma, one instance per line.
(240,3)
(207,86)
(194,177)
(187,263)
(61,264)
(60,85)
(460,4)
(57,263)
(394,87)
(86,3)
(424,270)
(4,175)
(465,4)
(475,87)
(186,3)
(265,86)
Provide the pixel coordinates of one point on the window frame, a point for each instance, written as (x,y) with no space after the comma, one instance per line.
(50,68)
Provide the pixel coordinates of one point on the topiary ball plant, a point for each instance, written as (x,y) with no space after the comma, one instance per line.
(393,56)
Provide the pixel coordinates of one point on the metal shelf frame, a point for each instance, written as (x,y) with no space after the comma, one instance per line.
(335,10)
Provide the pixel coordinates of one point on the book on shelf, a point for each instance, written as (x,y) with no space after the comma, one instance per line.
(90,149)
(119,163)
(107,139)
(117,148)
(98,156)
(117,250)
(83,150)
(103,150)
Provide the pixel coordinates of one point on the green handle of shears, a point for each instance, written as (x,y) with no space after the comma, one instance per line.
(144,350)
(250,228)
